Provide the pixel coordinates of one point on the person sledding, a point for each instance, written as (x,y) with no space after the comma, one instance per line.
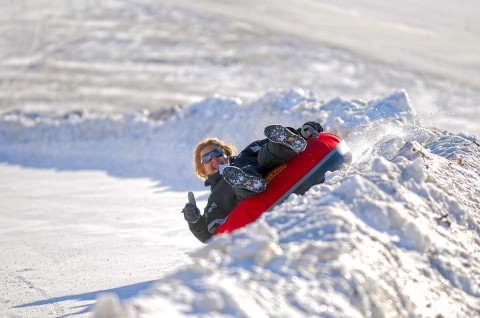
(234,178)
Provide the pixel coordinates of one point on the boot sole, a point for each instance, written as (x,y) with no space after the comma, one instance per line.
(236,177)
(281,135)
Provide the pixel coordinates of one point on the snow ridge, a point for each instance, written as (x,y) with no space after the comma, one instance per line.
(397,234)
(399,238)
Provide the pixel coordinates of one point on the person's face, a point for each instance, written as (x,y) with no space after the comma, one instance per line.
(211,167)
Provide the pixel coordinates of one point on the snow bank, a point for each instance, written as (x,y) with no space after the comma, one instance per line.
(395,235)
(137,144)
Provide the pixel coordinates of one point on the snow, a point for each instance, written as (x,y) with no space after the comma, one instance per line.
(115,56)
(96,163)
(396,233)
(67,235)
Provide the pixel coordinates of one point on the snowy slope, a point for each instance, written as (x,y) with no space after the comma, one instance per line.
(101,103)
(395,235)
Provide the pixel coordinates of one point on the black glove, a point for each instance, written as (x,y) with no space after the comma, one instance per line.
(311,129)
(190,211)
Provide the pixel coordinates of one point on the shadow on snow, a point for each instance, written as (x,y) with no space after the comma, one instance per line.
(124,293)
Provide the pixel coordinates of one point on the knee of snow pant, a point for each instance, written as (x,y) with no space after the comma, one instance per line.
(272,155)
(252,169)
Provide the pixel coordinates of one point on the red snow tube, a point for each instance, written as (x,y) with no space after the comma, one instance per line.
(325,153)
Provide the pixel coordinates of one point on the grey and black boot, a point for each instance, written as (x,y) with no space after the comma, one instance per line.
(281,135)
(238,178)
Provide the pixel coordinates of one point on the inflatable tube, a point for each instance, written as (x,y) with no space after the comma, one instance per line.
(325,153)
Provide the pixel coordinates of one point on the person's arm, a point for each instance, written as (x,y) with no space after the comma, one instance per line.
(310,129)
(200,230)
(248,156)
(196,222)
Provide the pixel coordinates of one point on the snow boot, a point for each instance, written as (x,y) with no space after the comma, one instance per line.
(238,178)
(281,135)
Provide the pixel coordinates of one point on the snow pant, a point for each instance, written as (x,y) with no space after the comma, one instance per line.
(272,155)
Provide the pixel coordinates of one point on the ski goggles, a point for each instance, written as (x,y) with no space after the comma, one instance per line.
(206,158)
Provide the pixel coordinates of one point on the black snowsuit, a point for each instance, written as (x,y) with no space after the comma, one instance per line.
(260,157)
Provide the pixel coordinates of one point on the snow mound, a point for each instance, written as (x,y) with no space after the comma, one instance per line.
(397,234)
(137,144)
(395,237)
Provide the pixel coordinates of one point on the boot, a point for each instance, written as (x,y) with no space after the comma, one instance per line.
(238,178)
(281,135)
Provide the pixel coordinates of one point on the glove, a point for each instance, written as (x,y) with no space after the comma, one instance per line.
(190,212)
(311,129)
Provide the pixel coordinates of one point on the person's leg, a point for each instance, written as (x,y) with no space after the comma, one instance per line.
(272,155)
(282,145)
(243,193)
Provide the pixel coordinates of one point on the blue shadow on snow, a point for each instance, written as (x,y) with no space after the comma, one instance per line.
(124,293)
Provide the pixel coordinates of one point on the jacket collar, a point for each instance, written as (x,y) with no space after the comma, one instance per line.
(213,179)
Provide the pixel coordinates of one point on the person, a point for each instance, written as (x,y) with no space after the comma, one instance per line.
(234,178)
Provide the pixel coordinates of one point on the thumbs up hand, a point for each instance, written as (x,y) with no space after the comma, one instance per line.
(190,212)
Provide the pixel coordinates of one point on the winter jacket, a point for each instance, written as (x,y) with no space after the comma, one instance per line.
(223,198)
